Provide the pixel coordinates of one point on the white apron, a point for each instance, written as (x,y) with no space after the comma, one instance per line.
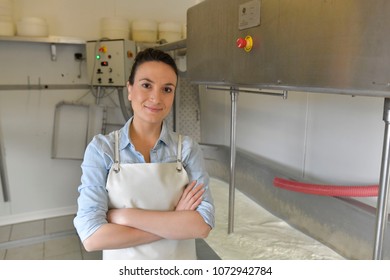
(151,186)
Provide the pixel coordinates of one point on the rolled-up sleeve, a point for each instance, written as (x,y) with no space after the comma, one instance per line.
(93,199)
(196,170)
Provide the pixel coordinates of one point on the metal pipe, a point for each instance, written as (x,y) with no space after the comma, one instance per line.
(3,174)
(125,112)
(233,120)
(283,94)
(3,179)
(97,97)
(39,86)
(382,212)
(174,109)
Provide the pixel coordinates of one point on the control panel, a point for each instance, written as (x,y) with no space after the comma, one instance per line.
(109,62)
(248,17)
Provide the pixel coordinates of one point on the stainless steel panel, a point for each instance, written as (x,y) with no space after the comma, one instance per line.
(319,46)
(209,40)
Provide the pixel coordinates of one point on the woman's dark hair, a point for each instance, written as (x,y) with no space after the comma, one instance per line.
(151,54)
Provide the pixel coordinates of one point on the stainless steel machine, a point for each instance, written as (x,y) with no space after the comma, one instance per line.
(338,47)
(318,46)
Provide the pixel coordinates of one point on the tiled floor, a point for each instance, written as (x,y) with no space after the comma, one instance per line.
(56,239)
(49,239)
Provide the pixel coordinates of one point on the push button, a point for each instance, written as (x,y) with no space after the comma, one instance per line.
(245,43)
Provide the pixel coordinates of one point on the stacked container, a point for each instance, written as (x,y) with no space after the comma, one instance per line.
(184,31)
(145,31)
(169,32)
(7,27)
(115,28)
(32,27)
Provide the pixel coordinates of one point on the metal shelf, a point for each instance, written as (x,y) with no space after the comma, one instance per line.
(182,44)
(52,40)
(48,40)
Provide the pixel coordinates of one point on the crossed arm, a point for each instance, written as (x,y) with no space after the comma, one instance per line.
(128,227)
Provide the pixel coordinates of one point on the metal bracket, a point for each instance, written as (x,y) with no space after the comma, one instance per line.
(53,49)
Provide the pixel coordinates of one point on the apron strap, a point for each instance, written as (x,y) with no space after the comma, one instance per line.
(116,152)
(179,165)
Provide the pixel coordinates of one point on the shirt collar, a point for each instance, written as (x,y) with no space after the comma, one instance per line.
(124,139)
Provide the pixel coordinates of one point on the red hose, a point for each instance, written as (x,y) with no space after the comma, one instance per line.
(326,190)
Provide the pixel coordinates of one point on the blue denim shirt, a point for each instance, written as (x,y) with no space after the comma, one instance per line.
(99,157)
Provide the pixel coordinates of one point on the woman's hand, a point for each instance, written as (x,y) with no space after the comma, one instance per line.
(191,197)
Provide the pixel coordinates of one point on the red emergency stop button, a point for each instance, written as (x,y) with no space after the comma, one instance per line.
(241,43)
(103,49)
(245,43)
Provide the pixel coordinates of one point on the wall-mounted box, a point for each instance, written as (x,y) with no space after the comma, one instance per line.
(109,62)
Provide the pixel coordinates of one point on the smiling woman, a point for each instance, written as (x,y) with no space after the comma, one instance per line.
(151,96)
(144,190)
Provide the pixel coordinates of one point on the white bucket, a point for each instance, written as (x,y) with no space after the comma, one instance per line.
(6,8)
(184,31)
(169,31)
(114,28)
(32,26)
(7,28)
(115,34)
(5,18)
(144,31)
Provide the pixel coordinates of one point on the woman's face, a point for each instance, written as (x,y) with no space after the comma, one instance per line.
(152,93)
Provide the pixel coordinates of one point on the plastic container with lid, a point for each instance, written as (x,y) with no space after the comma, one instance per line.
(6,8)
(144,31)
(184,31)
(32,26)
(169,32)
(7,28)
(114,28)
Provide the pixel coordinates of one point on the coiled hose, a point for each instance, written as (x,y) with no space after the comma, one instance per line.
(326,190)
